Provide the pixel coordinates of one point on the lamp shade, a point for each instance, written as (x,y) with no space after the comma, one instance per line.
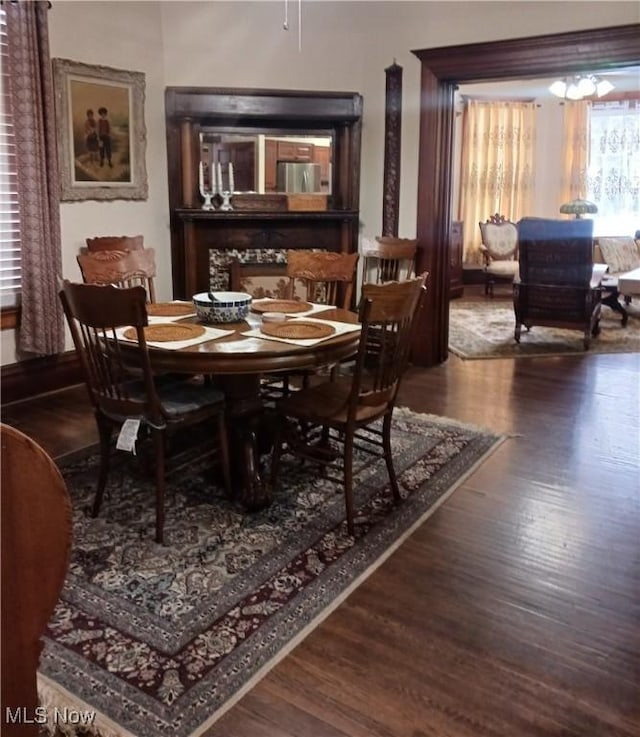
(558,88)
(579,208)
(604,87)
(580,86)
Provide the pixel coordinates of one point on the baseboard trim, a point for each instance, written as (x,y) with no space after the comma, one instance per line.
(35,376)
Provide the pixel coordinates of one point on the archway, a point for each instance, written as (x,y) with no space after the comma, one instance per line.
(442,69)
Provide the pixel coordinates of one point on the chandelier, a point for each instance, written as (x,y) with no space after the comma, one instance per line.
(579,86)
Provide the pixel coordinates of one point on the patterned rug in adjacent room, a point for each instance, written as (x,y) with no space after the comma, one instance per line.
(485,330)
(160,640)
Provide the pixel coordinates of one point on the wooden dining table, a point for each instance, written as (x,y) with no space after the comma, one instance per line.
(236,363)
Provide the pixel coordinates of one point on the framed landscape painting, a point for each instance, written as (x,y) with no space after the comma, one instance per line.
(101,132)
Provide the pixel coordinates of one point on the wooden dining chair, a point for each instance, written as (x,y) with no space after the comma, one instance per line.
(35,546)
(121,268)
(338,411)
(121,388)
(324,277)
(329,276)
(388,259)
(115,243)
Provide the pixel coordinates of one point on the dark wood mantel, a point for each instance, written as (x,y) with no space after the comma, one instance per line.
(195,233)
(202,231)
(252,216)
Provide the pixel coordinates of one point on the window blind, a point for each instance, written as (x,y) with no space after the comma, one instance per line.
(9,209)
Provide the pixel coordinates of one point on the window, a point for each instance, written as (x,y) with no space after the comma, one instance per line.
(614,166)
(9,211)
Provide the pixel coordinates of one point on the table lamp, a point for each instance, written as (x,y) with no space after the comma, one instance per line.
(579,208)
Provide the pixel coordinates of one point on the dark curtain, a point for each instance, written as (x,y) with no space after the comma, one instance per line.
(41,330)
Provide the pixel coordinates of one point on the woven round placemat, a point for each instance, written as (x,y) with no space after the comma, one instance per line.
(297,330)
(170,309)
(165,332)
(288,306)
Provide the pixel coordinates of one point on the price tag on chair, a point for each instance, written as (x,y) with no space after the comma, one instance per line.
(128,435)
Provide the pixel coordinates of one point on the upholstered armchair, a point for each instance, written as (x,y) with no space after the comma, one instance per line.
(556,286)
(499,250)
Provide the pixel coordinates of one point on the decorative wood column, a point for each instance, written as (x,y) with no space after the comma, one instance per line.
(188,172)
(392,140)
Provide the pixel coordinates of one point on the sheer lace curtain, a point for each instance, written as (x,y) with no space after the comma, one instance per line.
(575,151)
(41,329)
(497,171)
(614,166)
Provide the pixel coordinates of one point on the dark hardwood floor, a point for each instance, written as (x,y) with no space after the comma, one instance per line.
(514,611)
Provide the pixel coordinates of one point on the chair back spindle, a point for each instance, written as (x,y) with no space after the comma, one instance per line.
(387,313)
(93,315)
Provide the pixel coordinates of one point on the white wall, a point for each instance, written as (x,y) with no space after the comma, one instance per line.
(345,46)
(123,35)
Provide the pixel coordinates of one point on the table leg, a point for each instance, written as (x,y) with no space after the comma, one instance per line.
(610,298)
(245,420)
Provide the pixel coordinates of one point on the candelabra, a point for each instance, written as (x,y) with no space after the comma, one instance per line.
(208,199)
(226,201)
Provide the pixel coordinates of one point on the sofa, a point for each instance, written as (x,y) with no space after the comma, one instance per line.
(620,253)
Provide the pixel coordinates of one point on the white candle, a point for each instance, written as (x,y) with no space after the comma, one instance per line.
(220,185)
(214,189)
(231,182)
(201,178)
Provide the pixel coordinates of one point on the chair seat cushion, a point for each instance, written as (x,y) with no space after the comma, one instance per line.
(179,395)
(503,268)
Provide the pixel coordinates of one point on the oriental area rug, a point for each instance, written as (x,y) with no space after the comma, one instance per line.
(480,329)
(161,640)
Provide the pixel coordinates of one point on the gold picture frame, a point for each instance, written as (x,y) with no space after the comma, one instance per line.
(101,132)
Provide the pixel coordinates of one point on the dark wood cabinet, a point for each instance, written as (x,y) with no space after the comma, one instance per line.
(455,260)
(275,150)
(288,151)
(201,240)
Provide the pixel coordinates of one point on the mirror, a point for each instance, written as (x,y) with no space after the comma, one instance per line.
(266,163)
